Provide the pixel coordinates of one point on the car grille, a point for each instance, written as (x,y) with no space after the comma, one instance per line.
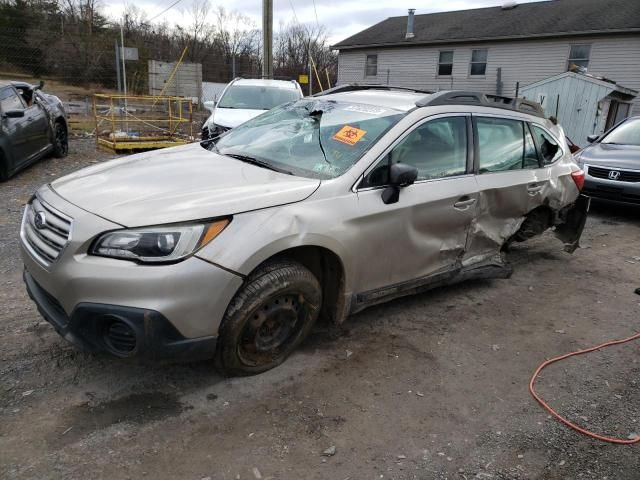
(625,175)
(45,239)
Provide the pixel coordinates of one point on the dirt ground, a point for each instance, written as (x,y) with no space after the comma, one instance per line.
(427,387)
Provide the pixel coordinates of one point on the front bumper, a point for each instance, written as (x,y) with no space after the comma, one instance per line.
(121,331)
(169,308)
(626,192)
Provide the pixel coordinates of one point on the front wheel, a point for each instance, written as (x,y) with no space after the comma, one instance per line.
(61,140)
(4,168)
(268,318)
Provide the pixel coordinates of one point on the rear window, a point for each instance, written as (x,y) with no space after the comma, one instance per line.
(9,100)
(254,97)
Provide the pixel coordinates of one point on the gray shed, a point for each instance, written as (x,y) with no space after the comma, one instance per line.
(584,105)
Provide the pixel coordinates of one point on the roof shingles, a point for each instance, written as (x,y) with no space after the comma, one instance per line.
(526,20)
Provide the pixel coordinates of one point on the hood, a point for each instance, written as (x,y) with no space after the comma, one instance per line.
(232,117)
(611,156)
(178,184)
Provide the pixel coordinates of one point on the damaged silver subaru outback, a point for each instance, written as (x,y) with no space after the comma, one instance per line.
(234,247)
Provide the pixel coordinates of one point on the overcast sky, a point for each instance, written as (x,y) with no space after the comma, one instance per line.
(342,18)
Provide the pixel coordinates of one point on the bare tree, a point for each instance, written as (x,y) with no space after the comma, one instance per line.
(296,44)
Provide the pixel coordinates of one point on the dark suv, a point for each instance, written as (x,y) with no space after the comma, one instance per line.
(32,125)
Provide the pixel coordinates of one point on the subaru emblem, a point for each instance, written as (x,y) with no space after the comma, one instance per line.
(40,220)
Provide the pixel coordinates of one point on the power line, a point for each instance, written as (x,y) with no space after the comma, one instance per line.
(316,12)
(164,11)
(295,17)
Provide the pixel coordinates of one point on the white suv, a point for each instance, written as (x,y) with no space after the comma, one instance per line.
(244,99)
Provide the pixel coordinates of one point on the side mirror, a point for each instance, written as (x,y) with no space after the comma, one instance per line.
(13,114)
(40,85)
(592,138)
(400,175)
(210,105)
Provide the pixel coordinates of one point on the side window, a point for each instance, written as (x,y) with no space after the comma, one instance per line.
(437,148)
(445,63)
(501,144)
(371,66)
(549,149)
(579,56)
(9,100)
(478,62)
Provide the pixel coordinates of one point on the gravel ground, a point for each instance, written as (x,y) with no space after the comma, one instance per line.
(432,386)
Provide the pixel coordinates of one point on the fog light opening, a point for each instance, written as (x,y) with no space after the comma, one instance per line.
(120,338)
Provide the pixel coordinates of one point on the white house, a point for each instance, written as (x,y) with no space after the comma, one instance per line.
(493,50)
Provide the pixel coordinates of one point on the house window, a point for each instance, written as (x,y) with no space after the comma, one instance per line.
(478,62)
(579,56)
(371,67)
(445,63)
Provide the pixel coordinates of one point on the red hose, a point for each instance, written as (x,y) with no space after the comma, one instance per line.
(570,424)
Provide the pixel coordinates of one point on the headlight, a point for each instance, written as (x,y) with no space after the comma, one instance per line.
(157,244)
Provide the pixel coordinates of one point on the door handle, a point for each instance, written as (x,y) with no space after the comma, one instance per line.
(463,203)
(534,188)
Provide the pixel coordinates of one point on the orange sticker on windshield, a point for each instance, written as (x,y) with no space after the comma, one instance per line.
(349,135)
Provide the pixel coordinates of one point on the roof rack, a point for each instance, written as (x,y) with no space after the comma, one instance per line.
(461,97)
(352,87)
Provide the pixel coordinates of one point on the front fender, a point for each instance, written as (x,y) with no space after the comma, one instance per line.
(254,237)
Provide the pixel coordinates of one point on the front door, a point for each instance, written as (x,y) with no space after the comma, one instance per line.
(15,129)
(425,232)
(37,124)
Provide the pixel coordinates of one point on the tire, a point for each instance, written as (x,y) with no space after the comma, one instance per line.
(60,140)
(268,318)
(4,168)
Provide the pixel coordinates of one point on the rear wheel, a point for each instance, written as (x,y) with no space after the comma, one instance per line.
(4,168)
(268,318)
(61,140)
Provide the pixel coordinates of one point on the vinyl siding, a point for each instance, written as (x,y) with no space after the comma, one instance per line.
(525,61)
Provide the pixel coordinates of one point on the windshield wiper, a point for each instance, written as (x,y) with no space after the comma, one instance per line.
(255,161)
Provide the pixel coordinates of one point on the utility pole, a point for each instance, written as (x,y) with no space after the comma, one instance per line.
(124,73)
(310,70)
(124,68)
(267,38)
(118,67)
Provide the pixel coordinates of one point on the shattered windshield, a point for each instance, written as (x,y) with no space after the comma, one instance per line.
(310,138)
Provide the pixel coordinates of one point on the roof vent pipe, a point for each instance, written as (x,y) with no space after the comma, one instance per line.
(410,33)
(509,5)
